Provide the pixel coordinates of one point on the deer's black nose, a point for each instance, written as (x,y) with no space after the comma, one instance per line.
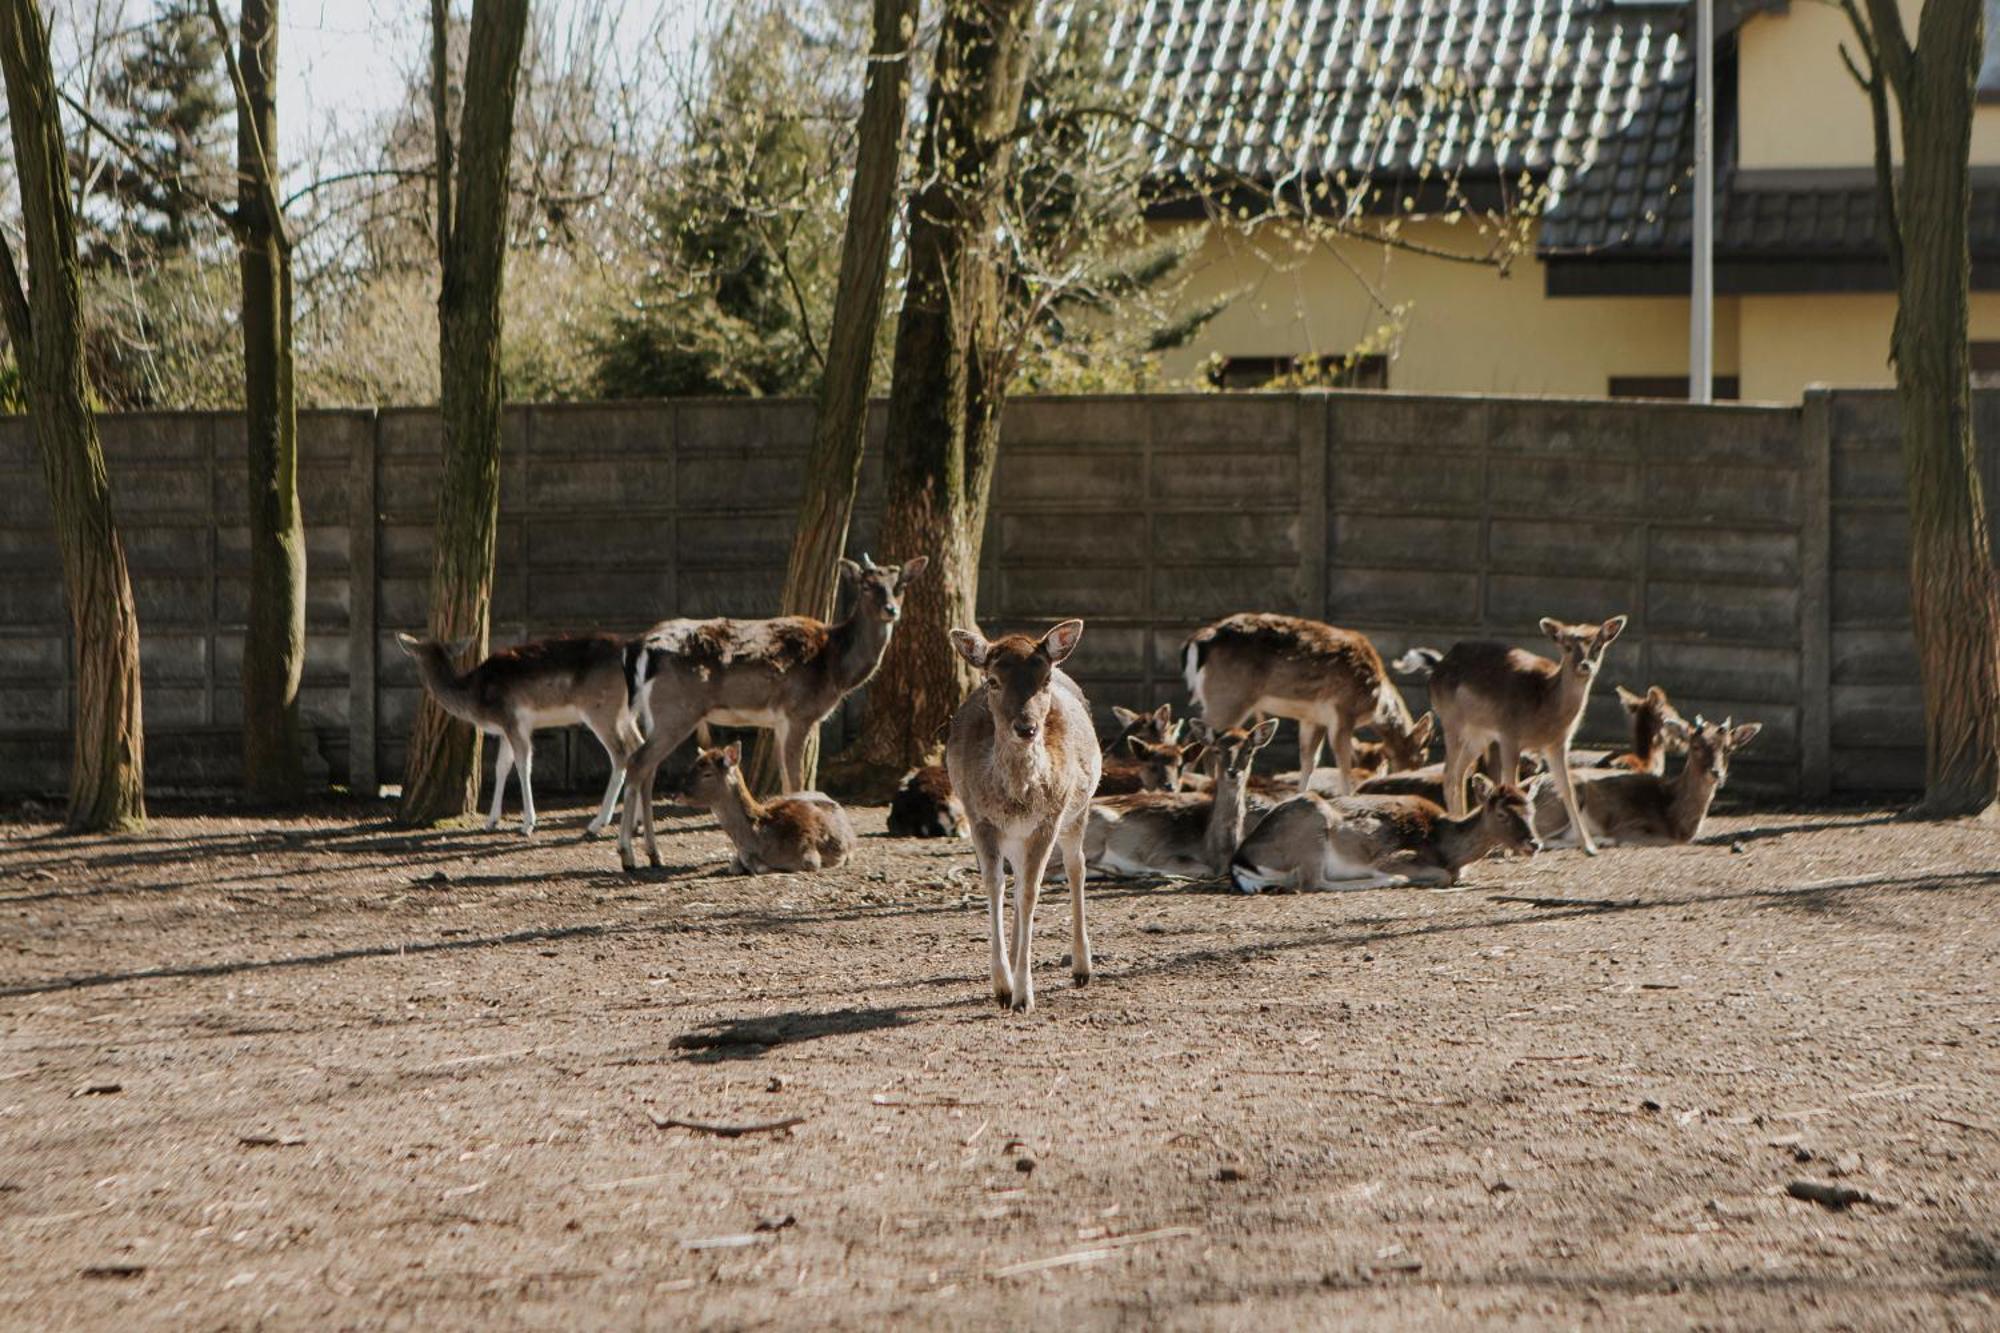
(1025,730)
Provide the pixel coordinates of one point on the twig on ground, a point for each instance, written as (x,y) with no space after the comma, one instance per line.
(1552,902)
(724,1131)
(1104,1249)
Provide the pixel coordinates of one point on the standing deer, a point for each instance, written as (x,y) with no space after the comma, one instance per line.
(1328,680)
(1657,730)
(805,832)
(1640,809)
(1023,758)
(786,674)
(1365,842)
(521,690)
(1488,694)
(1180,833)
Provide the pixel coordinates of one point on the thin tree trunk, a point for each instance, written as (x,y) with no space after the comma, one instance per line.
(840,426)
(442,779)
(275,644)
(1954,601)
(946,396)
(107,770)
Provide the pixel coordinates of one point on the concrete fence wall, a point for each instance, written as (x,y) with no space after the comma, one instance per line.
(1758,550)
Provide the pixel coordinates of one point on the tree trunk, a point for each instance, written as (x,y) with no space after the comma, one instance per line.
(275,643)
(442,779)
(1954,603)
(107,768)
(947,392)
(840,427)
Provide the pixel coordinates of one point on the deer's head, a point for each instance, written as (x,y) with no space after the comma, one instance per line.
(1408,749)
(1018,672)
(1655,717)
(878,589)
(1157,726)
(1709,744)
(713,777)
(1230,754)
(1160,765)
(1583,645)
(1507,813)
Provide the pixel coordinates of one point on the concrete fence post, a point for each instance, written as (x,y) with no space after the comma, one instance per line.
(363,521)
(1315,430)
(1816,593)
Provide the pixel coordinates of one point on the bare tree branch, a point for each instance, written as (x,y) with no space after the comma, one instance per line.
(267,175)
(171,181)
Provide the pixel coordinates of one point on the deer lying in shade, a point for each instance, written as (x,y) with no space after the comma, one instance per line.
(1365,842)
(924,806)
(808,831)
(1023,759)
(1648,810)
(521,690)
(1152,767)
(1180,833)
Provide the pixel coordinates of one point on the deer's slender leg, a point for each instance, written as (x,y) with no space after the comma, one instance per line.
(1079,932)
(503,766)
(986,845)
(1028,887)
(523,744)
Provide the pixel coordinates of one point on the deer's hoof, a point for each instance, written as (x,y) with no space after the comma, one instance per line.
(1590,849)
(1023,1004)
(1080,979)
(491,825)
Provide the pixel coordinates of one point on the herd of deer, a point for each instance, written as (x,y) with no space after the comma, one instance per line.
(1025,775)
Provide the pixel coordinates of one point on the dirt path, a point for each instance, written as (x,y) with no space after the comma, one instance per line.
(365,1078)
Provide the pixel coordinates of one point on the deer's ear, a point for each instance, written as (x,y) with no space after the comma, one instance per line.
(1163,715)
(409,643)
(1610,630)
(1264,733)
(1192,756)
(1633,702)
(850,572)
(1200,730)
(1061,640)
(1420,734)
(1482,788)
(1553,628)
(971,645)
(1126,717)
(1140,749)
(1171,732)
(912,568)
(732,753)
(1744,734)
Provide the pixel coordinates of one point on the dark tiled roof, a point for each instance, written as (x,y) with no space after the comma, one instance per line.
(1280,90)
(1593,98)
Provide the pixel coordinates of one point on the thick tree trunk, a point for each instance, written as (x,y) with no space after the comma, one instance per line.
(107,773)
(840,427)
(442,779)
(274,646)
(1954,601)
(946,395)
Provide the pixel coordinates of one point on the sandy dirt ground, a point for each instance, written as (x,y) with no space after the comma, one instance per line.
(318,1072)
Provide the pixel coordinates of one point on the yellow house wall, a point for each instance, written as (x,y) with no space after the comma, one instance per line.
(1464,328)
(1834,338)
(1796,104)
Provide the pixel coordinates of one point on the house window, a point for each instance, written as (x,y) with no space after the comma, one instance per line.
(1727,388)
(1326,372)
(1989,66)
(1986,365)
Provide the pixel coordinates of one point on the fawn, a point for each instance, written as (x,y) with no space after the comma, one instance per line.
(786,674)
(1152,767)
(1180,833)
(804,832)
(520,690)
(1365,842)
(1488,694)
(1155,728)
(1023,759)
(1328,680)
(1640,809)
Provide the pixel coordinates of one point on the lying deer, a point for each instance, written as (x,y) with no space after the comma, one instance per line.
(1488,694)
(1328,680)
(524,689)
(786,674)
(924,806)
(1366,842)
(1639,809)
(1023,758)
(1180,833)
(1654,733)
(1151,768)
(808,831)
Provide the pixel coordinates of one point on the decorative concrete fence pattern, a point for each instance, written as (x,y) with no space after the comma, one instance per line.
(1759,551)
